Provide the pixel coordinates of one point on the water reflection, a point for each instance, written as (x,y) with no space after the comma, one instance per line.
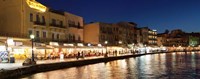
(159,66)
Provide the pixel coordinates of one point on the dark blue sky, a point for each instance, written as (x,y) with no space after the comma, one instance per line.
(156,14)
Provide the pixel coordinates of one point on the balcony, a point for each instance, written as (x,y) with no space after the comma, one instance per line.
(152,38)
(57,25)
(40,23)
(13,34)
(75,26)
(46,40)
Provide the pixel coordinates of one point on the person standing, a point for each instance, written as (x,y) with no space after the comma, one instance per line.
(78,55)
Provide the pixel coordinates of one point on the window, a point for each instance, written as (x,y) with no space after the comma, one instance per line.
(30,32)
(53,21)
(79,38)
(37,18)
(44,34)
(66,37)
(69,37)
(31,17)
(74,38)
(61,23)
(79,24)
(70,23)
(52,36)
(57,36)
(43,19)
(37,34)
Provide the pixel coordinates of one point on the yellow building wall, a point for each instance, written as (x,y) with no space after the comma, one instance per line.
(91,33)
(61,31)
(28,25)
(75,31)
(15,21)
(10,17)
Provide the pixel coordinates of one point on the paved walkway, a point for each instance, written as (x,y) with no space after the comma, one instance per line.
(18,64)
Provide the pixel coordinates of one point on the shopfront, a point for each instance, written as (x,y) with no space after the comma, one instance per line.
(3,54)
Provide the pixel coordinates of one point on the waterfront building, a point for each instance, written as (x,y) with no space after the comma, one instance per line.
(20,18)
(117,37)
(146,36)
(75,28)
(161,39)
(52,28)
(121,33)
(128,34)
(178,38)
(58,32)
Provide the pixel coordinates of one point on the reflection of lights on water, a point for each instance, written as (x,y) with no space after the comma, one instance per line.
(163,54)
(146,58)
(123,63)
(193,58)
(192,52)
(149,49)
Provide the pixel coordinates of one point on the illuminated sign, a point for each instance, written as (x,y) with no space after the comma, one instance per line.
(35,5)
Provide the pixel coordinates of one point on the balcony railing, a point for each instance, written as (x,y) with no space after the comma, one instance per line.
(75,26)
(57,25)
(38,39)
(40,23)
(16,35)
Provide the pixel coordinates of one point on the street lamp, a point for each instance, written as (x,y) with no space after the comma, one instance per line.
(32,39)
(145,48)
(106,42)
(120,42)
(89,44)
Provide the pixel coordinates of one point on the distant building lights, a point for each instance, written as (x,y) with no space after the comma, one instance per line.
(154,30)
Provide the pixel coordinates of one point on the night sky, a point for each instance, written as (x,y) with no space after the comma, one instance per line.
(156,14)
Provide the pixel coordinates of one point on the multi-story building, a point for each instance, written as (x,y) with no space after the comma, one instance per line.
(162,39)
(98,33)
(128,33)
(121,33)
(75,27)
(152,37)
(20,18)
(179,38)
(147,36)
